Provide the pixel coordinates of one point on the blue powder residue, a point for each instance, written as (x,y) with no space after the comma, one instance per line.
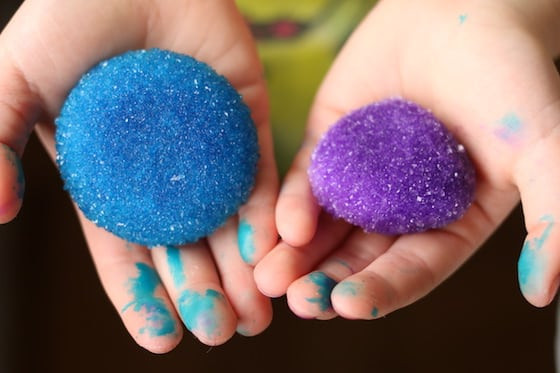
(159,319)
(531,264)
(14,160)
(509,128)
(246,241)
(156,147)
(175,264)
(198,311)
(463,18)
(374,312)
(324,284)
(348,288)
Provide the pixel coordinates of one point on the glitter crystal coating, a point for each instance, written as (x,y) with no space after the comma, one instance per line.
(391,167)
(156,147)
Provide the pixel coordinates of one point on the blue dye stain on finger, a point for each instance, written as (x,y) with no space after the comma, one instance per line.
(324,285)
(175,264)
(159,321)
(348,288)
(344,264)
(19,187)
(375,312)
(532,262)
(463,18)
(199,311)
(509,128)
(246,241)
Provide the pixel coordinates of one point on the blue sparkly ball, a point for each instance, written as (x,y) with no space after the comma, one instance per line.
(156,147)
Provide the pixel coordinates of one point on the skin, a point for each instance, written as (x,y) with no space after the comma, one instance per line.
(44,50)
(485,69)
(472,62)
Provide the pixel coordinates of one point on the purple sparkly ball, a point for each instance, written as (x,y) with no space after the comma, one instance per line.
(391,167)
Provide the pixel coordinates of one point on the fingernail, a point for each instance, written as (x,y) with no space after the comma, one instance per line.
(246,241)
(324,285)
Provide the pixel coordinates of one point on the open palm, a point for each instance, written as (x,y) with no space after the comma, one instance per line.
(44,50)
(485,69)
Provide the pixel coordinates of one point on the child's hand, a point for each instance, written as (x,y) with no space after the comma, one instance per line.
(43,52)
(486,70)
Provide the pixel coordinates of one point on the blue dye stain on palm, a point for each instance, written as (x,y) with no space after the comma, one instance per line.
(509,128)
(246,241)
(175,264)
(142,288)
(324,284)
(198,310)
(463,18)
(156,147)
(531,263)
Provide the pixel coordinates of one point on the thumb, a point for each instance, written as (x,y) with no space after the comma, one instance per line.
(19,110)
(538,178)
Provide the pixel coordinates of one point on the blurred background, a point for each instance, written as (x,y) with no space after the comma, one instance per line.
(55,317)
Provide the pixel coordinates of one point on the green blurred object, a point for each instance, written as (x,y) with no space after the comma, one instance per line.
(298,40)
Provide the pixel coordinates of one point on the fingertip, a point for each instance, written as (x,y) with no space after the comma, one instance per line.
(159,345)
(12,184)
(538,267)
(254,323)
(272,274)
(309,297)
(297,211)
(255,238)
(9,210)
(353,300)
(543,298)
(152,324)
(553,290)
(208,315)
(296,222)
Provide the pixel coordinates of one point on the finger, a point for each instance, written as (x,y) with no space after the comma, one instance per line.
(12,185)
(190,276)
(19,109)
(357,77)
(310,295)
(297,211)
(257,232)
(230,49)
(413,266)
(133,286)
(257,228)
(253,309)
(539,262)
(284,264)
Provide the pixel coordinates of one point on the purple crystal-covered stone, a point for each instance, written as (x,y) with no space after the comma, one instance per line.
(391,167)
